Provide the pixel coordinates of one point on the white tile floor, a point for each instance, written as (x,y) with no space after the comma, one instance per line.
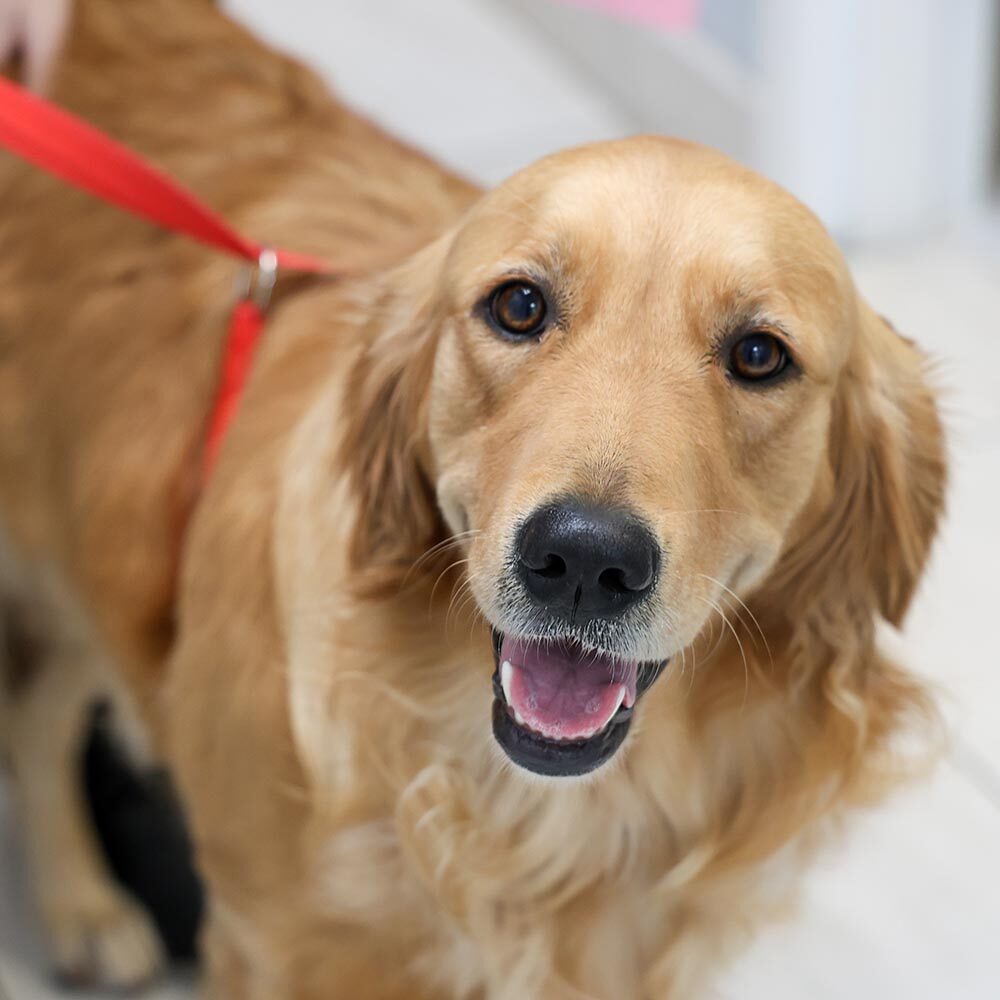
(909,905)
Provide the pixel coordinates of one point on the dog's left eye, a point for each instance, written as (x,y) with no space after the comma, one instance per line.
(757,357)
(518,309)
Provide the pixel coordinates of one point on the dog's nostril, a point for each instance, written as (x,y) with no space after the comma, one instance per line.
(624,581)
(553,567)
(614,580)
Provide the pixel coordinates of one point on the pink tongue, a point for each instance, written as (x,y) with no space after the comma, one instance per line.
(563,692)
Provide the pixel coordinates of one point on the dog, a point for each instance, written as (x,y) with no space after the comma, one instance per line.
(522,643)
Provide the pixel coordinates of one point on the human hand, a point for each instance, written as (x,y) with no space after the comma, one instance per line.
(34,30)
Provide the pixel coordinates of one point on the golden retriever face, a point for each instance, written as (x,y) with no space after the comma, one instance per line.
(634,356)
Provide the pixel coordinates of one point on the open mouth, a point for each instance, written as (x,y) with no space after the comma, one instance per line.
(562,710)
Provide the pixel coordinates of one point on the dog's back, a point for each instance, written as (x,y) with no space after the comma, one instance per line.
(110,330)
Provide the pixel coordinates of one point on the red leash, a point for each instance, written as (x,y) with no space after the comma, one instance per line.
(80,154)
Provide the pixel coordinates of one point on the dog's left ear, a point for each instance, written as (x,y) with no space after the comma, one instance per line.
(862,550)
(384,448)
(902,442)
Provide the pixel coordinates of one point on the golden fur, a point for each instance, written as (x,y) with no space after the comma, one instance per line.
(311,653)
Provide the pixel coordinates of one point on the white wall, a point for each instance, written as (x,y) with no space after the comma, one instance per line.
(877,113)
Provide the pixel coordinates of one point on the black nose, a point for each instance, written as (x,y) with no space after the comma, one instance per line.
(586,561)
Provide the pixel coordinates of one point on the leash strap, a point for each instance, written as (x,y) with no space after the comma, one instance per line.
(83,156)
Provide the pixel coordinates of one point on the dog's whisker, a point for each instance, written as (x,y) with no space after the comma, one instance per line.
(468,600)
(457,595)
(477,619)
(694,668)
(442,575)
(753,617)
(442,546)
(460,600)
(712,638)
(743,656)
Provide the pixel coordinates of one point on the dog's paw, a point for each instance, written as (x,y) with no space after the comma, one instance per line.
(107,941)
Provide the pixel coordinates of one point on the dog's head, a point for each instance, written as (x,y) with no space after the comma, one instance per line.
(638,384)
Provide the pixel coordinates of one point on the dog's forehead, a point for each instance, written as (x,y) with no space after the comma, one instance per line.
(656,206)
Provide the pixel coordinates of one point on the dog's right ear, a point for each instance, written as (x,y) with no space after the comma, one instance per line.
(385,446)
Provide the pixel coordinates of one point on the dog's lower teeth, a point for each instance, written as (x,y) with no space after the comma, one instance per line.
(621,698)
(506,675)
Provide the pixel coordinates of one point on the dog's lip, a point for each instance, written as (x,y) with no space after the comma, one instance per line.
(555,757)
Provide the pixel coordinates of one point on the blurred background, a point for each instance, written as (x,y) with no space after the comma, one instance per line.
(884,117)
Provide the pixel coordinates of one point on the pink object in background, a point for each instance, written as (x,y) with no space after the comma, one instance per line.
(674,14)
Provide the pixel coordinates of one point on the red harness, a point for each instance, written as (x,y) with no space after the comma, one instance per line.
(69,148)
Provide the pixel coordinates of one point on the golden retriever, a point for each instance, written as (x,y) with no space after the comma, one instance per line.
(522,643)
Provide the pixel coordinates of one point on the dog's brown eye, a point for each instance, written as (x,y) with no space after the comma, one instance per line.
(757,357)
(518,309)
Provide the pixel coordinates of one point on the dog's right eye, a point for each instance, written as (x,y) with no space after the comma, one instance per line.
(518,309)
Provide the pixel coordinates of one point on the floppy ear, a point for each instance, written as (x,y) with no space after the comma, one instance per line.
(885,493)
(384,448)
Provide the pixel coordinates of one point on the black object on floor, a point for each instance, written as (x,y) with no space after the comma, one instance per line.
(141,829)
